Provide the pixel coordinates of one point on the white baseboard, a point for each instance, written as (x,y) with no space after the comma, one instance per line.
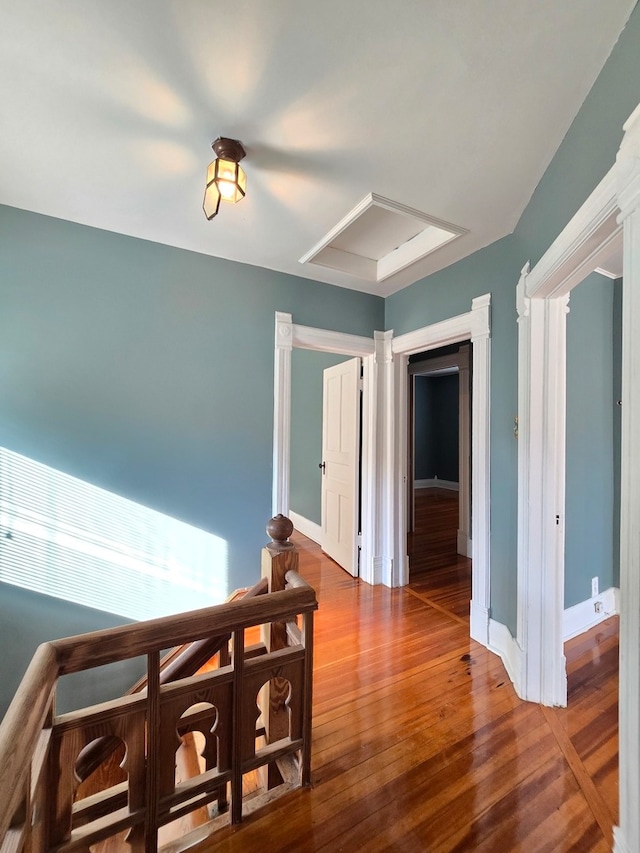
(479,623)
(377,570)
(503,644)
(308,528)
(619,841)
(386,568)
(583,616)
(464,544)
(436,483)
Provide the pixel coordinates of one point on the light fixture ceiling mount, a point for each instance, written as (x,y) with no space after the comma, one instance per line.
(226,181)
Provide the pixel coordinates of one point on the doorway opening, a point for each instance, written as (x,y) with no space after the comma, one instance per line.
(290,336)
(474,327)
(439,483)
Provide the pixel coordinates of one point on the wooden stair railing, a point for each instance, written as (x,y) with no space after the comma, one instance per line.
(38,750)
(181,662)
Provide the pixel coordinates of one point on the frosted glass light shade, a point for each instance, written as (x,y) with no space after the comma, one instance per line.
(226,181)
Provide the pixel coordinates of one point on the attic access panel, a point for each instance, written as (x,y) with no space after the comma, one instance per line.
(379,238)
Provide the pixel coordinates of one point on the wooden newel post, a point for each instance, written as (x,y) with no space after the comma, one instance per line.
(278,557)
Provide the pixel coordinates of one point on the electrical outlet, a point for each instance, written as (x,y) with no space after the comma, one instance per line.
(594,587)
(597,605)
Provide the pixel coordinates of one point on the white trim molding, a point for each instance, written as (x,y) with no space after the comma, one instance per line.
(611,213)
(282,413)
(287,336)
(501,642)
(628,185)
(436,483)
(619,842)
(481,469)
(475,326)
(541,483)
(591,236)
(324,340)
(587,614)
(392,571)
(311,529)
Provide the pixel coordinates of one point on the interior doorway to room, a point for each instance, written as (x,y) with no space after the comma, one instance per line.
(439,481)
(341,463)
(326,453)
(591,579)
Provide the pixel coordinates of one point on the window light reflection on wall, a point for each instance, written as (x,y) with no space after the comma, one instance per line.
(63,537)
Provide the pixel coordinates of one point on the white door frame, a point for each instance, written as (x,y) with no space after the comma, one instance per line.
(287,336)
(610,214)
(474,326)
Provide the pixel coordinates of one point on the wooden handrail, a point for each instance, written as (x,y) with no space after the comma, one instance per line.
(75,654)
(198,653)
(21,727)
(179,663)
(188,658)
(32,709)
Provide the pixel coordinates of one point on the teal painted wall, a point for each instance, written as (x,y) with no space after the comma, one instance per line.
(585,155)
(28,619)
(589,539)
(589,148)
(423,428)
(306,430)
(436,428)
(148,370)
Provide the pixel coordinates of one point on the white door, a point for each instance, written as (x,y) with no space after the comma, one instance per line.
(341,463)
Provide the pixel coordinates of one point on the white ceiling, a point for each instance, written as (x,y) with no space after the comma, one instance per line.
(108,109)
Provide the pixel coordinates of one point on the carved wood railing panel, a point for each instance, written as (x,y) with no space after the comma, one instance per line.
(40,807)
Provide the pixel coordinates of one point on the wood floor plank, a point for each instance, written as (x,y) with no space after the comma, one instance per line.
(420,742)
(595,800)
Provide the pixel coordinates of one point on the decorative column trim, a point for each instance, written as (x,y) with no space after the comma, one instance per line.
(370,471)
(480,610)
(388,529)
(541,484)
(523,308)
(627,835)
(282,413)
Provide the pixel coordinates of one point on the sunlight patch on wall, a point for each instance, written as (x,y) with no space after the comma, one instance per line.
(63,537)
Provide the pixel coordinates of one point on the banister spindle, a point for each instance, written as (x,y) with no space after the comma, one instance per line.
(278,557)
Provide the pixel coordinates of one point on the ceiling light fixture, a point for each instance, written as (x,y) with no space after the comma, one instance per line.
(226,181)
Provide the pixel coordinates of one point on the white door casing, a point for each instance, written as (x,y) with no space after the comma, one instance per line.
(383,557)
(611,213)
(287,336)
(474,326)
(384,418)
(541,451)
(542,299)
(627,834)
(341,463)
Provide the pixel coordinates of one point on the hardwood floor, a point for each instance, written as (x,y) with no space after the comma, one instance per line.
(432,544)
(421,744)
(438,574)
